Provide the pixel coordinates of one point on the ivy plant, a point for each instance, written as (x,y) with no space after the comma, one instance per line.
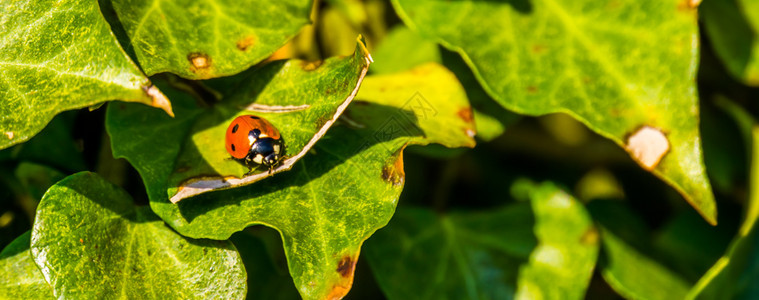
(431,149)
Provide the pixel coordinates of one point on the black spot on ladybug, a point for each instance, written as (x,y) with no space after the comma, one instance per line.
(254,118)
(234,129)
(233,147)
(346,266)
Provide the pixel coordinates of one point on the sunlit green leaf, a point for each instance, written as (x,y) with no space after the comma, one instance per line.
(210,38)
(457,255)
(635,276)
(561,265)
(733,27)
(19,276)
(617,66)
(332,199)
(91,242)
(57,56)
(302,100)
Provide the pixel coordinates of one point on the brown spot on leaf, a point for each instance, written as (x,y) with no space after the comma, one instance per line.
(183,169)
(81,241)
(199,62)
(532,89)
(537,49)
(246,42)
(310,65)
(393,173)
(466,114)
(590,237)
(346,266)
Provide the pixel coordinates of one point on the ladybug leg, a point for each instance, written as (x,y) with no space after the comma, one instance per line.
(248,163)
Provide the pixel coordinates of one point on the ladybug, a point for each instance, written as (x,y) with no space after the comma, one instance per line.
(253,141)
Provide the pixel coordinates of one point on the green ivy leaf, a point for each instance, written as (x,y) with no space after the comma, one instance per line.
(562,264)
(211,38)
(617,66)
(91,242)
(459,255)
(302,100)
(733,28)
(19,276)
(329,203)
(57,56)
(635,276)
